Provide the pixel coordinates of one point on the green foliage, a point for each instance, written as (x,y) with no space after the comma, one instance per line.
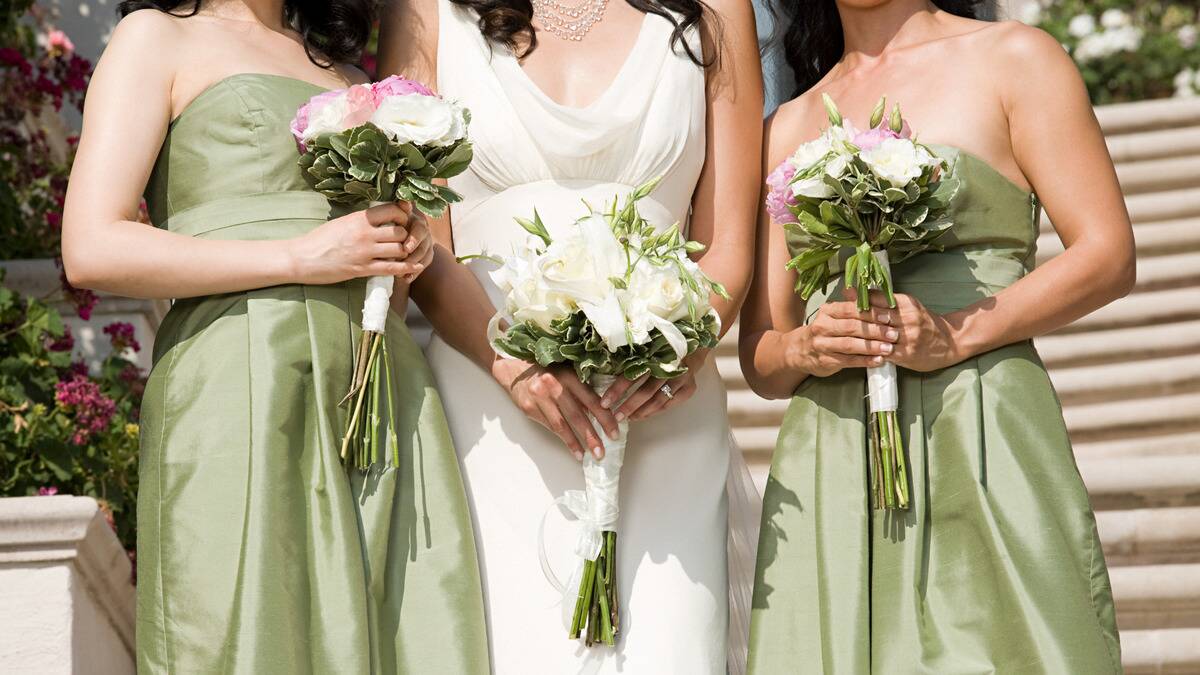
(573,340)
(46,444)
(866,215)
(1162,36)
(362,165)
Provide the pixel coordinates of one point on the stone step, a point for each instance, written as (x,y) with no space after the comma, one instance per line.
(1157,596)
(1156,175)
(730,369)
(1156,238)
(1126,419)
(1127,118)
(1141,309)
(1120,344)
(1127,379)
(1148,145)
(1169,651)
(1141,446)
(1150,536)
(1122,483)
(746,409)
(1179,267)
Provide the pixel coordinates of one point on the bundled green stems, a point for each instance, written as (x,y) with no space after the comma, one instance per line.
(889,470)
(596,607)
(370,400)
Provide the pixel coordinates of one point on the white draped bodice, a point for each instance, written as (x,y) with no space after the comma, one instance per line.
(530,150)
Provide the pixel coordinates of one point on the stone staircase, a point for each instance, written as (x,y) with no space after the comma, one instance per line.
(1129,380)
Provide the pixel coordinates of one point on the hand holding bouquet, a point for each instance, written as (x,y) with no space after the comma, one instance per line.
(612,297)
(874,198)
(369,144)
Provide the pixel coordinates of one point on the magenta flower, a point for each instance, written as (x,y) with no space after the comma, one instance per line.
(398,86)
(62,344)
(780,198)
(48,491)
(92,409)
(866,140)
(120,334)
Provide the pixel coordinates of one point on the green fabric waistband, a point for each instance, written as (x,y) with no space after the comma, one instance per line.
(268,215)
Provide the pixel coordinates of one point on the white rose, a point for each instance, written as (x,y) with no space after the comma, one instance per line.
(422,120)
(327,119)
(1082,26)
(897,161)
(527,296)
(1188,36)
(1114,18)
(809,154)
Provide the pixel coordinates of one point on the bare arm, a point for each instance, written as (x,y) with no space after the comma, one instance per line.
(105,248)
(1060,148)
(777,350)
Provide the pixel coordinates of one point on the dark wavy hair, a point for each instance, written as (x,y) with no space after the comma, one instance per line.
(510,22)
(813,41)
(334,31)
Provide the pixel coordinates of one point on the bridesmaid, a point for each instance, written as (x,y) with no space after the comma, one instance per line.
(259,552)
(996,567)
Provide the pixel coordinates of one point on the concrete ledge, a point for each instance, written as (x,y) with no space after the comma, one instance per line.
(1125,118)
(1173,651)
(58,554)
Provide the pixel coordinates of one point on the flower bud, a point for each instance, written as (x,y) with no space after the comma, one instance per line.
(877,113)
(835,117)
(897,122)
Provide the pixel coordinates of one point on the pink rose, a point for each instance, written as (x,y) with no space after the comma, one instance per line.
(780,197)
(865,140)
(360,105)
(398,86)
(300,122)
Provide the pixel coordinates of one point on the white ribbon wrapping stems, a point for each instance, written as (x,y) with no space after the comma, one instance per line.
(378,301)
(883,384)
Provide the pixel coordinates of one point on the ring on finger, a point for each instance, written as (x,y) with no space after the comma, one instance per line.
(667,391)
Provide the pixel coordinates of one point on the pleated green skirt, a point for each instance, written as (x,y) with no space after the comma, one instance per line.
(258,551)
(996,568)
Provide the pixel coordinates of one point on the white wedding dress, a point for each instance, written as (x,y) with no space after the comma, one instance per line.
(672,564)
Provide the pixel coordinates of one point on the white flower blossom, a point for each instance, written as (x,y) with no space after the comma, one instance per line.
(1115,18)
(1082,25)
(898,161)
(1030,13)
(1108,42)
(1188,36)
(1186,83)
(423,120)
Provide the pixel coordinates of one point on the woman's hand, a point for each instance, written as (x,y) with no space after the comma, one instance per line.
(418,246)
(647,396)
(841,337)
(928,341)
(557,400)
(365,243)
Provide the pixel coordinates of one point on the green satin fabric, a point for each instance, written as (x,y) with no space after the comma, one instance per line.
(996,568)
(258,552)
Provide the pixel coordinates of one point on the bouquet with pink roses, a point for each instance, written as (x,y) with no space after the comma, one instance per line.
(865,199)
(370,144)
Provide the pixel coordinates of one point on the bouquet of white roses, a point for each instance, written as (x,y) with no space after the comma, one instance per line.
(612,297)
(871,198)
(370,144)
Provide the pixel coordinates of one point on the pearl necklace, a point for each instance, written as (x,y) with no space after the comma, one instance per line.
(569,22)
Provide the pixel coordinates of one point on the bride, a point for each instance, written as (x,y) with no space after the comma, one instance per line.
(572,102)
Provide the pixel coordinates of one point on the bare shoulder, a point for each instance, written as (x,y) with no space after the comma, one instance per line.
(740,12)
(351,74)
(790,125)
(1012,47)
(147,31)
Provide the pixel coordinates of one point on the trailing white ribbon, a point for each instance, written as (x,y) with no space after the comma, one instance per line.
(883,384)
(596,507)
(378,301)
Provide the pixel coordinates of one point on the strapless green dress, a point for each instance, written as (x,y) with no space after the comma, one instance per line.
(996,567)
(258,552)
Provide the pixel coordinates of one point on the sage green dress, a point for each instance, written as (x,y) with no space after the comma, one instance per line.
(996,567)
(258,552)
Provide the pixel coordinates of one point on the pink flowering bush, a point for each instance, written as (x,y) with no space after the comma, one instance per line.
(63,428)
